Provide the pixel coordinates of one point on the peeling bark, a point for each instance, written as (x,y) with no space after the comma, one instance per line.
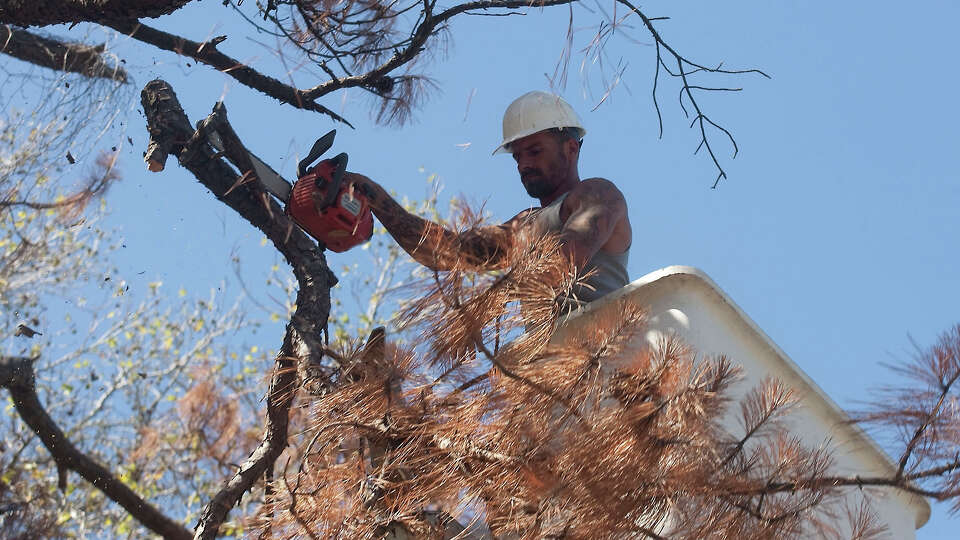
(17,376)
(58,55)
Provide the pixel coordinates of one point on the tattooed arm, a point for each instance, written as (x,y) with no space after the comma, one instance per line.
(430,244)
(596,218)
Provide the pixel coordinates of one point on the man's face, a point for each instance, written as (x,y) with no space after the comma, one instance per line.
(543,162)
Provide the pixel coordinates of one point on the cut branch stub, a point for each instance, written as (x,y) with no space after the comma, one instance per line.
(164,125)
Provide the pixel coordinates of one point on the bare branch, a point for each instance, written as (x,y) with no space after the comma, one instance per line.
(58,55)
(17,376)
(207,53)
(685,68)
(426,28)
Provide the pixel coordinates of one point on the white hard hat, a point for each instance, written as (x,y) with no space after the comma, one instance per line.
(536,111)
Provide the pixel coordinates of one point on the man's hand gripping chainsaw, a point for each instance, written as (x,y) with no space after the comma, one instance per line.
(319,202)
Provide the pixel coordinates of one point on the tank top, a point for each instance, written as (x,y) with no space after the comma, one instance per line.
(611,269)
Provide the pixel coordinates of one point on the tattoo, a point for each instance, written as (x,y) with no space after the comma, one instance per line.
(598,207)
(434,246)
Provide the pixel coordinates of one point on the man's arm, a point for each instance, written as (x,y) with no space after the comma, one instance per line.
(430,244)
(596,209)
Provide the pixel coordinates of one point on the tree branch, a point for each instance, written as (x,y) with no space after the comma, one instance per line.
(17,376)
(58,55)
(302,348)
(34,13)
(925,424)
(827,482)
(419,38)
(207,53)
(687,88)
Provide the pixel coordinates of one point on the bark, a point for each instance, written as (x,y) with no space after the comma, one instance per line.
(47,12)
(58,55)
(17,376)
(302,344)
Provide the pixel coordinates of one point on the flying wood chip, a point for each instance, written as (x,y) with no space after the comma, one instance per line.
(26,331)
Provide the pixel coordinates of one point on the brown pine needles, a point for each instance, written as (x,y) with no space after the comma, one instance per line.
(491,423)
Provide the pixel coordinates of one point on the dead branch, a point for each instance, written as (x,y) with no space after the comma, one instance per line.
(58,55)
(31,13)
(302,348)
(429,23)
(828,482)
(207,53)
(685,68)
(17,376)
(361,45)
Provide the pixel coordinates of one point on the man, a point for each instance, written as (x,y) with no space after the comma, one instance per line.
(544,135)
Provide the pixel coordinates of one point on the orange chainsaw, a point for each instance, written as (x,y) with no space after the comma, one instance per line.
(319,201)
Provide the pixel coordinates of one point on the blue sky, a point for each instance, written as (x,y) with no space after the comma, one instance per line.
(836,230)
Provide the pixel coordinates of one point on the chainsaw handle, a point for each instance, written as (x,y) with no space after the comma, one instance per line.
(339,165)
(322,145)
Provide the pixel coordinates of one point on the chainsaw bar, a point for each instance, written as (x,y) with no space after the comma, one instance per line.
(269,178)
(318,202)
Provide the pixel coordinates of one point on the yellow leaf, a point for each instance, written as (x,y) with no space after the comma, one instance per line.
(182,292)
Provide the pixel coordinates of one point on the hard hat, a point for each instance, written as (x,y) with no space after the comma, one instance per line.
(536,111)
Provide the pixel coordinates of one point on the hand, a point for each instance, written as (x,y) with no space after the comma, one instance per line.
(362,184)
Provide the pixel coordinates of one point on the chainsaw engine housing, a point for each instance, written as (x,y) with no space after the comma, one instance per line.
(339,222)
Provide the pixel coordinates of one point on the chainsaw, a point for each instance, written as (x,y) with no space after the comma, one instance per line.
(319,202)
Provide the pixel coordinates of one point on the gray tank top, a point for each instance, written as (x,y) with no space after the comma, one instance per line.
(611,269)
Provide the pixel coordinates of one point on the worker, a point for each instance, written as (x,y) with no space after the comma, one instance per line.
(544,135)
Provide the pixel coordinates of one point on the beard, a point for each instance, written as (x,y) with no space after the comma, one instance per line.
(537,186)
(541,183)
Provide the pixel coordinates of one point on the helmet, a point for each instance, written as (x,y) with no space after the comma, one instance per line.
(536,111)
